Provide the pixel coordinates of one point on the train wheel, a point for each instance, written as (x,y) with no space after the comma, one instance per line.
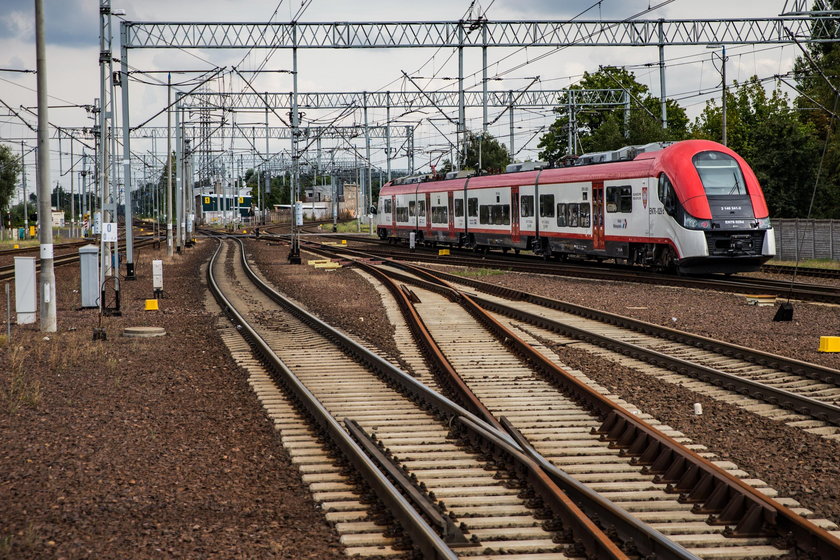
(666,260)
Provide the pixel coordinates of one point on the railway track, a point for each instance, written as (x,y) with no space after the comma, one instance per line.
(621,273)
(803,395)
(542,404)
(608,436)
(7,272)
(515,509)
(832,273)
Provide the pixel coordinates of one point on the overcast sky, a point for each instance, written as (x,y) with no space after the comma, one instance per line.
(73,74)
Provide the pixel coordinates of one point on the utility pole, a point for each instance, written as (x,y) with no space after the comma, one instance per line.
(294,251)
(129,211)
(179,164)
(510,115)
(108,266)
(258,211)
(462,118)
(663,100)
(723,91)
(388,135)
(23,183)
(267,180)
(368,170)
(72,195)
(168,205)
(188,190)
(45,235)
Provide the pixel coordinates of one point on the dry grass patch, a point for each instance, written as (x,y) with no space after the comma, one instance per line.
(18,388)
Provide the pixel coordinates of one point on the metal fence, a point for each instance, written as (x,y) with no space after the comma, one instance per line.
(807,239)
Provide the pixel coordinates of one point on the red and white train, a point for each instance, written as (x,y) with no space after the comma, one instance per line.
(693,205)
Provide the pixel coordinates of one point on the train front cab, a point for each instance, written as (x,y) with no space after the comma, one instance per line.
(718,217)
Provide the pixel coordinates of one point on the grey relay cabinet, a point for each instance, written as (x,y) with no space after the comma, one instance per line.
(89,258)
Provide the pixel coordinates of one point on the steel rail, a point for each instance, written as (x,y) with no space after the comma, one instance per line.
(428,542)
(622,273)
(595,543)
(833,273)
(785,399)
(798,367)
(644,539)
(727,499)
(31,248)
(8,272)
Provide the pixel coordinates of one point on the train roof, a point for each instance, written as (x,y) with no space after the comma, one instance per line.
(675,159)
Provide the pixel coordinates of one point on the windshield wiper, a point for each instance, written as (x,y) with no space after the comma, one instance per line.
(736,187)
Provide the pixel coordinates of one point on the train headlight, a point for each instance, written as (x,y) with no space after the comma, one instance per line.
(690,222)
(763,223)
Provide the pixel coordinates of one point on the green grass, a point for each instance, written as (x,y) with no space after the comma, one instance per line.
(7,244)
(479,272)
(810,263)
(347,227)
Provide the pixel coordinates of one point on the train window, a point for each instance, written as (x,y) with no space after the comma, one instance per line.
(402,213)
(440,215)
(666,193)
(620,199)
(412,208)
(421,208)
(584,215)
(547,205)
(526,204)
(719,173)
(459,207)
(495,214)
(472,207)
(572,215)
(561,214)
(387,206)
(501,214)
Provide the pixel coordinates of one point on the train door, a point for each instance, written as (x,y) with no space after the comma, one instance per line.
(514,214)
(425,211)
(598,215)
(450,197)
(394,212)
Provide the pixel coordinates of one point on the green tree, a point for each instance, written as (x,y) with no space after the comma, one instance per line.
(481,152)
(9,170)
(818,79)
(608,128)
(767,132)
(485,153)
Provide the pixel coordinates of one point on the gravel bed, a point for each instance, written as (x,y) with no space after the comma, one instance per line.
(341,296)
(144,448)
(719,315)
(798,464)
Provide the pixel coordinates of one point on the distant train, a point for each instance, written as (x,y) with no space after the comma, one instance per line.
(693,206)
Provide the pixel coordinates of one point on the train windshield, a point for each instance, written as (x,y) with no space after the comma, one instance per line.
(720,174)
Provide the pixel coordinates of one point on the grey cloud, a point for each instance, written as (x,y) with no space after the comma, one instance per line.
(73,23)
(560,9)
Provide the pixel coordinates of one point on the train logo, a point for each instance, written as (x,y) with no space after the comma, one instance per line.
(644,197)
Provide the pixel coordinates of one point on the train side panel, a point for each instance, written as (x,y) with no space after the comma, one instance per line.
(674,206)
